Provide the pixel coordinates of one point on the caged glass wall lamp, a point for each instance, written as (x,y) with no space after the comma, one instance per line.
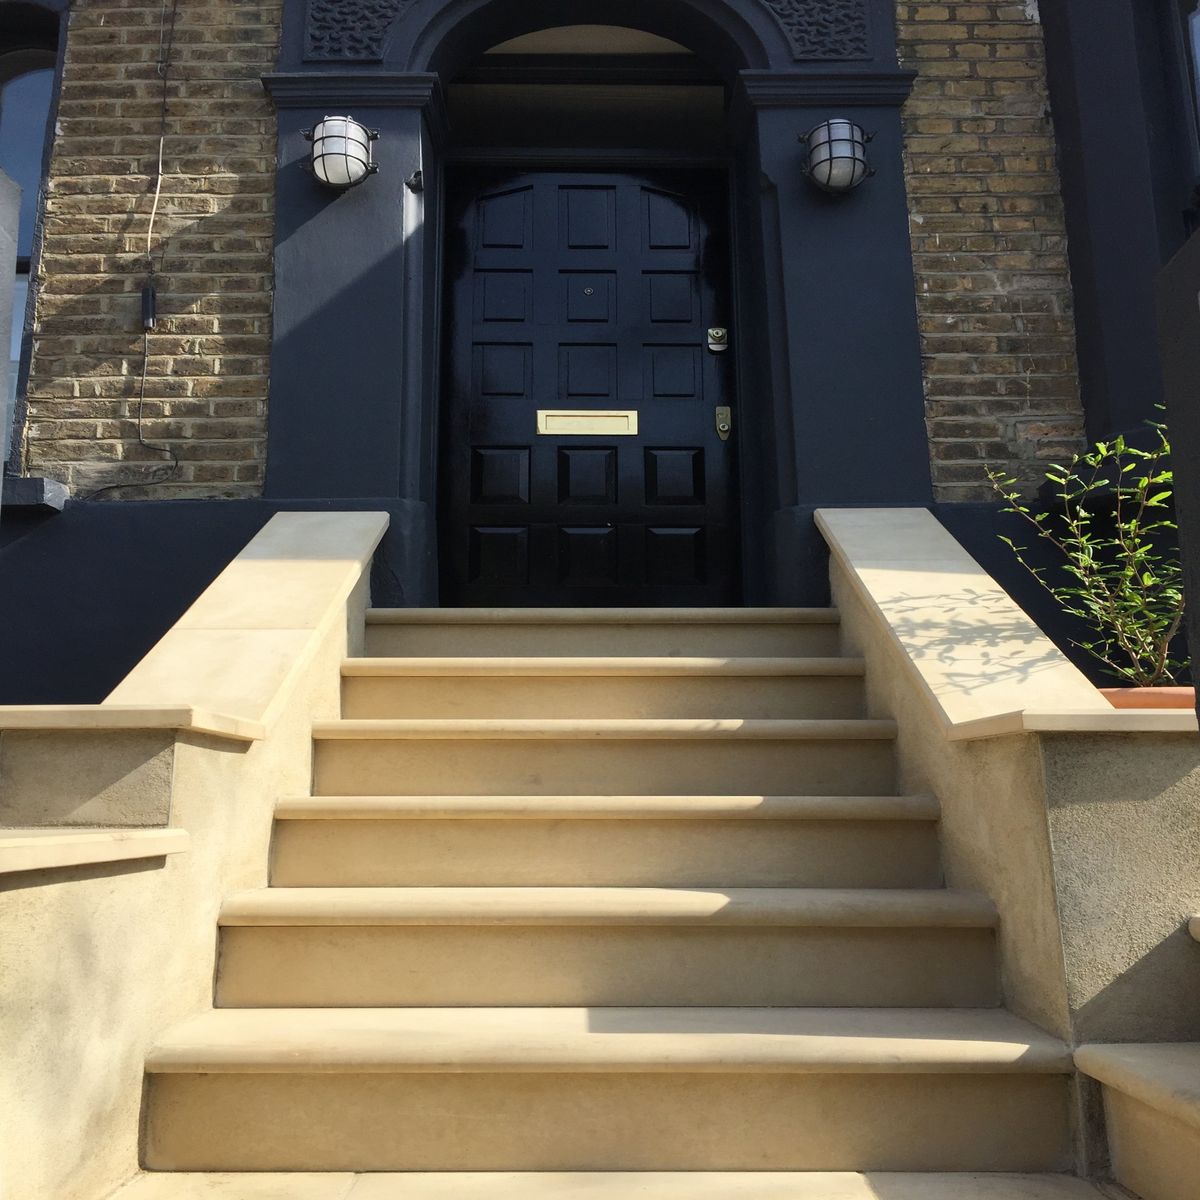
(341,152)
(837,155)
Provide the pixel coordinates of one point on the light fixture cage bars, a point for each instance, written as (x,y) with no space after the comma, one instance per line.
(342,155)
(837,155)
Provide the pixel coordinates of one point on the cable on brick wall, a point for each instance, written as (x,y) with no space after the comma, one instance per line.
(166,46)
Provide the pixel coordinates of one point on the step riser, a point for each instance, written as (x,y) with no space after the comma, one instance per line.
(612,853)
(546,766)
(1154,1154)
(573,1122)
(604,640)
(751,698)
(491,966)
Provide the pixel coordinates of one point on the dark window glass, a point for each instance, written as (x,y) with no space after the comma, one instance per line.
(24,113)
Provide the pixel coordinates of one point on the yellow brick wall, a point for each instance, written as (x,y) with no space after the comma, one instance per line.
(987,231)
(206,393)
(989,245)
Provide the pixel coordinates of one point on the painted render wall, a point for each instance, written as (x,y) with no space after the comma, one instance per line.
(987,233)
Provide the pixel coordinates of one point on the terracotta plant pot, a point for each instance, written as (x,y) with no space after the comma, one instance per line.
(1151,697)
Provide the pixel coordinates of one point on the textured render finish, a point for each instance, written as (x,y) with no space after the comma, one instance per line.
(1087,842)
(994,834)
(989,244)
(67,778)
(207,384)
(39,849)
(135,942)
(1124,817)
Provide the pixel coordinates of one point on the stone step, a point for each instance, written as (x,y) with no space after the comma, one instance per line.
(541,947)
(616,841)
(634,757)
(607,1185)
(1152,1111)
(753,688)
(669,632)
(586,1089)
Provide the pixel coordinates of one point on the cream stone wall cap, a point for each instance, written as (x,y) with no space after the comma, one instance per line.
(602,616)
(40,849)
(607,1185)
(599,808)
(249,637)
(100,718)
(1164,1076)
(1194,927)
(529,1040)
(795,907)
(605,729)
(501,668)
(986,669)
(1129,720)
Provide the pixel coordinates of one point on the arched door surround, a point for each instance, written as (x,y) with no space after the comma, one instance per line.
(825,336)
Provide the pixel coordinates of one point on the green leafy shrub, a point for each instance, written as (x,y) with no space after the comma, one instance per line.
(1118,540)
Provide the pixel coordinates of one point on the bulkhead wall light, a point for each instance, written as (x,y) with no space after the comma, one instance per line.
(837,155)
(341,151)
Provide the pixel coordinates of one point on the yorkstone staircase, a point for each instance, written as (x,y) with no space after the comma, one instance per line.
(590,893)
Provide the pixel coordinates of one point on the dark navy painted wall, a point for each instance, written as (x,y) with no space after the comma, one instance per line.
(830,408)
(1179,333)
(86,593)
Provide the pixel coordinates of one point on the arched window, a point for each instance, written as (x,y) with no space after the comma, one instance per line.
(29,36)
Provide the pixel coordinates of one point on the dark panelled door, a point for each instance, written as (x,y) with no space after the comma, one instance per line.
(581,461)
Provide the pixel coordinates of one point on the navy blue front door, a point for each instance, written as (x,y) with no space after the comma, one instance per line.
(582,461)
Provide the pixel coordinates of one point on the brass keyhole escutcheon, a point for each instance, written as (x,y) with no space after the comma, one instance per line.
(724,419)
(718,339)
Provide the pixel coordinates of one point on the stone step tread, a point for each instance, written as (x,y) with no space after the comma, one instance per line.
(848,908)
(537,1040)
(601,808)
(642,729)
(602,616)
(607,1185)
(531,667)
(1165,1076)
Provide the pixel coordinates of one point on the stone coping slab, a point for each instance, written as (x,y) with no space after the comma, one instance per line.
(251,633)
(608,1185)
(1165,1076)
(226,666)
(108,718)
(41,849)
(986,669)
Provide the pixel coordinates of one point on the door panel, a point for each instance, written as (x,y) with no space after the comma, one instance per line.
(586,292)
